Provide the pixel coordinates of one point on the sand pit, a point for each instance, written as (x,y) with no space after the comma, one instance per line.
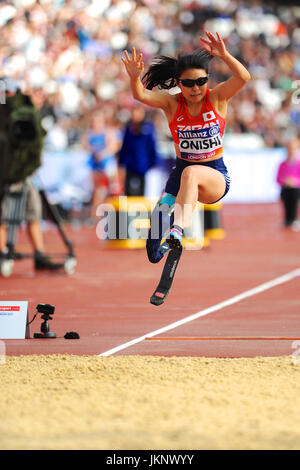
(148,402)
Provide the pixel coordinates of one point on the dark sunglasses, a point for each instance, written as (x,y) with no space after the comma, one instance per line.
(188,82)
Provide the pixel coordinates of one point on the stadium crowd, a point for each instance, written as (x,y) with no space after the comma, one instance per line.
(66,55)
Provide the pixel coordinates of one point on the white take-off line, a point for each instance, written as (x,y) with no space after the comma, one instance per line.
(226,303)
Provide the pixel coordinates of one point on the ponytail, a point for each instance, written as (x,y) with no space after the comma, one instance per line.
(161,73)
(164,70)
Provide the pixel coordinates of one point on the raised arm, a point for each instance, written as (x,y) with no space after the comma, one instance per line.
(240,75)
(135,68)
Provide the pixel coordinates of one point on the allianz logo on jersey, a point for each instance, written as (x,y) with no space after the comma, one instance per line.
(207,118)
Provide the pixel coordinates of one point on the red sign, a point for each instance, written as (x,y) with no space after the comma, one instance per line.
(10,309)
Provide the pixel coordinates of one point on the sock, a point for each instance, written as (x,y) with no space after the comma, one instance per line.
(178,229)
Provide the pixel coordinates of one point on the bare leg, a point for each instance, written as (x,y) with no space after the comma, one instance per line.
(41,261)
(101,184)
(198,183)
(3,235)
(36,235)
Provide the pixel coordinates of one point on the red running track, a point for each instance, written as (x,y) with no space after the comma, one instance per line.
(106,301)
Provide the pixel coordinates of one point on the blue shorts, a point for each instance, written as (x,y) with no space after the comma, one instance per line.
(173,183)
(107,165)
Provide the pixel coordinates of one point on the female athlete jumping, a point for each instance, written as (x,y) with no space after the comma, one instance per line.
(196,119)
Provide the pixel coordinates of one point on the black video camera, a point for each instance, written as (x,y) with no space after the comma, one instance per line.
(47,310)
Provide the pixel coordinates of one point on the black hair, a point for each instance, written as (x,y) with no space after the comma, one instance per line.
(164,70)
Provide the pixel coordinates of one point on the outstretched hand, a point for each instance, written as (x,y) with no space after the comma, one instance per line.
(135,65)
(214,45)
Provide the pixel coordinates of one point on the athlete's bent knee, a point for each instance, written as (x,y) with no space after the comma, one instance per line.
(188,175)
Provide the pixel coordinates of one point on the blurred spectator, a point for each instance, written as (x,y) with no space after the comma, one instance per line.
(138,153)
(32,216)
(288,177)
(103,142)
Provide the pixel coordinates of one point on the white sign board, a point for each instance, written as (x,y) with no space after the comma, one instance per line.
(253,175)
(14,319)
